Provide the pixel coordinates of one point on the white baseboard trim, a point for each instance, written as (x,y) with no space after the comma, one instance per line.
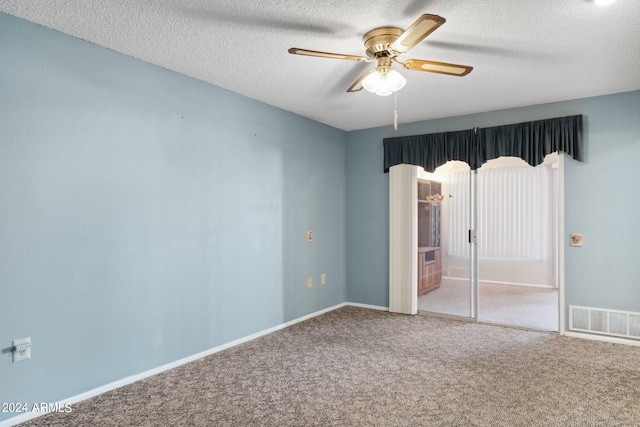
(593,337)
(133,378)
(372,307)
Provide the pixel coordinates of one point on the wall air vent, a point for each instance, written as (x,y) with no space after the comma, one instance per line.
(601,321)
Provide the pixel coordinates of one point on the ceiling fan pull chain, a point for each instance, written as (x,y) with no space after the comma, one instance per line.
(395,111)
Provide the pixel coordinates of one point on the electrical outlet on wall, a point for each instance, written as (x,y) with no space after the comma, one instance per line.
(21,349)
(323,279)
(309,282)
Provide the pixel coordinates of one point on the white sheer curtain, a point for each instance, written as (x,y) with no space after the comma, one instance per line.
(514,213)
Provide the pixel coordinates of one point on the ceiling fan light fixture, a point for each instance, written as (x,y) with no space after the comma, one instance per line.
(384,83)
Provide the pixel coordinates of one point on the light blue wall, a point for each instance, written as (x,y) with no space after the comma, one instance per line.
(602,200)
(146,216)
(367,218)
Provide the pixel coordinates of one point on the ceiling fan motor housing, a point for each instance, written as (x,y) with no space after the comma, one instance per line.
(377,42)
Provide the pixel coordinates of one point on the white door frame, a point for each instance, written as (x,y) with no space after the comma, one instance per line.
(560,244)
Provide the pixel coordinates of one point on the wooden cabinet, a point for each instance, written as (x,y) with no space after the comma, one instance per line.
(429,269)
(429,255)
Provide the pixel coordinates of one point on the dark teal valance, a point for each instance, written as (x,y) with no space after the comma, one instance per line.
(530,141)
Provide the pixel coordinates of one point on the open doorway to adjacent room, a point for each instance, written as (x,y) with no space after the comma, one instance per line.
(488,242)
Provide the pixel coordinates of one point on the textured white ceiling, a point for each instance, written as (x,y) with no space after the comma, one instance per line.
(523,52)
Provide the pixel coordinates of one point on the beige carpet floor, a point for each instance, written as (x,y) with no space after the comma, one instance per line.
(361,367)
(523,306)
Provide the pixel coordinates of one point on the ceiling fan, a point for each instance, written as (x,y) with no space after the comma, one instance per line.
(384,45)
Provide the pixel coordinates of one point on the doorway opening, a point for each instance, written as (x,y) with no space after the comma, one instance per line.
(488,242)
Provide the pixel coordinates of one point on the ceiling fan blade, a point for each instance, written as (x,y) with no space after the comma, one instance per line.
(417,32)
(305,52)
(357,85)
(436,67)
